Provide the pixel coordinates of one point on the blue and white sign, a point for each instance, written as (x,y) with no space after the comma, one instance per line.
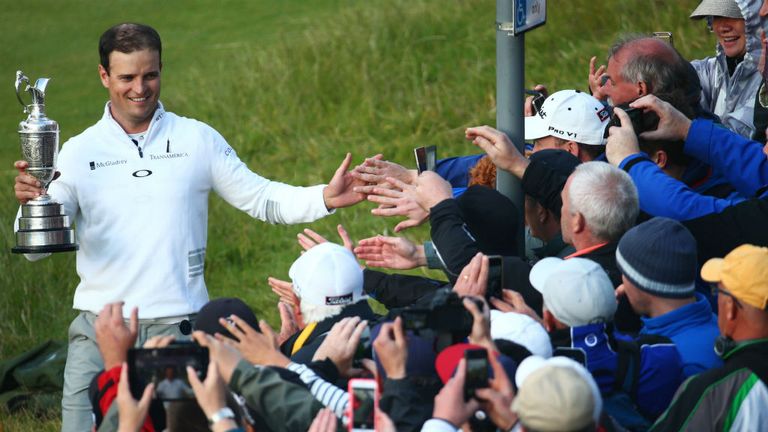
(529,14)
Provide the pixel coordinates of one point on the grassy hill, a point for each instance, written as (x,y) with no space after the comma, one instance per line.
(292,85)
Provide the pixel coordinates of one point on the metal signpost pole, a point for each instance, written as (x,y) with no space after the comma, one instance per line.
(513,18)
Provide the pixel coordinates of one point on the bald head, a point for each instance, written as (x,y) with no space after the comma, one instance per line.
(640,65)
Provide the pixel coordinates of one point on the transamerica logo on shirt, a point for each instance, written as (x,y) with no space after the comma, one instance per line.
(106,164)
(167,156)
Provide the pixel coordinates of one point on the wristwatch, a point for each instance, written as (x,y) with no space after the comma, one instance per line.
(224,413)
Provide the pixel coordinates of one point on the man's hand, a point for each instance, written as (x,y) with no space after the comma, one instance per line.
(325,421)
(225,356)
(309,239)
(375,171)
(391,348)
(340,190)
(258,348)
(26,186)
(512,301)
(289,325)
(340,345)
(131,413)
(395,253)
(496,400)
(449,403)
(673,125)
(473,279)
(211,394)
(481,324)
(528,108)
(396,202)
(284,290)
(113,337)
(622,141)
(596,80)
(499,148)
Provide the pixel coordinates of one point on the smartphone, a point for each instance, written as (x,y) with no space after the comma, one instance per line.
(167,368)
(665,36)
(495,276)
(426,158)
(538,100)
(477,371)
(363,401)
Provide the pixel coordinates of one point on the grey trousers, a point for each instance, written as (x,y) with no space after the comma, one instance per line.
(84,362)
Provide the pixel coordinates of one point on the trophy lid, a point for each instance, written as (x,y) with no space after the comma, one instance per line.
(37,92)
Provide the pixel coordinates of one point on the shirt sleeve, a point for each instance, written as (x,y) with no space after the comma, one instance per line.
(336,399)
(739,159)
(662,195)
(264,199)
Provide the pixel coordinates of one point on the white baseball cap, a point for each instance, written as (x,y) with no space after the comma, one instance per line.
(521,329)
(327,275)
(577,291)
(571,115)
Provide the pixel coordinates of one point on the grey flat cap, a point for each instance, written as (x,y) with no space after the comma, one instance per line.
(718,8)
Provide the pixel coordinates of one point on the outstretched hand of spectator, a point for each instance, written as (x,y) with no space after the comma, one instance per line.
(481,323)
(512,301)
(113,337)
(211,395)
(496,399)
(622,141)
(499,148)
(340,345)
(391,347)
(226,357)
(259,348)
(375,171)
(596,80)
(309,239)
(325,421)
(396,253)
(131,412)
(473,279)
(673,125)
(449,403)
(397,202)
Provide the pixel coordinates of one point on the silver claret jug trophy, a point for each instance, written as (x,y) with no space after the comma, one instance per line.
(43,226)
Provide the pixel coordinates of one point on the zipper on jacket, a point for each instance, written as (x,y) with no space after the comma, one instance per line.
(141,153)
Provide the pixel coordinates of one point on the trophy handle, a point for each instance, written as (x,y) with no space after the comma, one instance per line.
(21,78)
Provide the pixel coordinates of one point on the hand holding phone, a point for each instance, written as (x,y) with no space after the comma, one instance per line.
(166,368)
(363,402)
(477,372)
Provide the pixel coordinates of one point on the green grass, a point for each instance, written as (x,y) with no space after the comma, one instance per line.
(293,85)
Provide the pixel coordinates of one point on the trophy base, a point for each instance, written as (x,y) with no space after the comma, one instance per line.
(44,249)
(44,228)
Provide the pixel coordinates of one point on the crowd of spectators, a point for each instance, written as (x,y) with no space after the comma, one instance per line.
(643,305)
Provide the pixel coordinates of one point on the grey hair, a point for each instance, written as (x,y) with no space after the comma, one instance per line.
(662,72)
(316,313)
(606,197)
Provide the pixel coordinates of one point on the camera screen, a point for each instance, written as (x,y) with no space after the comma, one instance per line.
(167,368)
(363,408)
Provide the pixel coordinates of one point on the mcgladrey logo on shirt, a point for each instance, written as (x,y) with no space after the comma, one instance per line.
(106,164)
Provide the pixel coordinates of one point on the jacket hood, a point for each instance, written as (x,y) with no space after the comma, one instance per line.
(752,28)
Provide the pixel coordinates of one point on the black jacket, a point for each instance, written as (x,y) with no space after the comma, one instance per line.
(304,355)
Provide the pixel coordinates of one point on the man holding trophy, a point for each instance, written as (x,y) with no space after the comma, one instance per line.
(136,185)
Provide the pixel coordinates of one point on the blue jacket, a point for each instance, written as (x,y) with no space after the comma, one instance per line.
(693,329)
(740,160)
(455,170)
(661,369)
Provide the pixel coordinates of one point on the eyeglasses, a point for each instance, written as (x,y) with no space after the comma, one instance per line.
(716,290)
